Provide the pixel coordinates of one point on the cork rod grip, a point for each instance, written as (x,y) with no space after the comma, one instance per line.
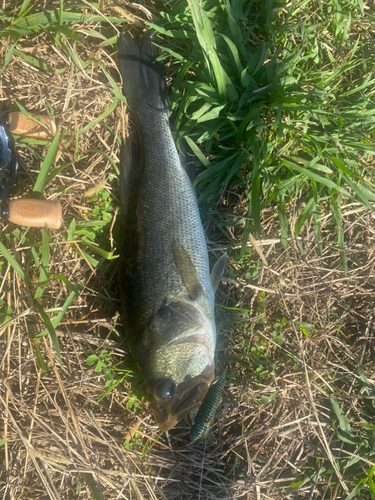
(18,124)
(35,213)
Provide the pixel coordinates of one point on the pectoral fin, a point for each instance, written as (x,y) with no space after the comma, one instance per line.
(187,271)
(218,271)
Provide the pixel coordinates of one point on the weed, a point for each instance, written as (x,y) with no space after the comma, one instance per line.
(259,112)
(136,442)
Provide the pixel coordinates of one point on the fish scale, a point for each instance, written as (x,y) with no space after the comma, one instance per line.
(175,199)
(167,211)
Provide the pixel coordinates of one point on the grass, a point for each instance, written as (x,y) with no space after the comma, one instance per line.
(274,112)
(274,101)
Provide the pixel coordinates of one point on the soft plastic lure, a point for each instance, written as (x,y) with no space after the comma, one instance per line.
(207,409)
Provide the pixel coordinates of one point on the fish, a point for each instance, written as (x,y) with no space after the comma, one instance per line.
(167,292)
(207,409)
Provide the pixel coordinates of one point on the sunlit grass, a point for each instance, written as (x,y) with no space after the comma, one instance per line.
(280,107)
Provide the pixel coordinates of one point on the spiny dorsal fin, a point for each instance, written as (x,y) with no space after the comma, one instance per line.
(188,273)
(218,271)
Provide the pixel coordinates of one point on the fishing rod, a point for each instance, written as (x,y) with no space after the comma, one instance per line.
(22,211)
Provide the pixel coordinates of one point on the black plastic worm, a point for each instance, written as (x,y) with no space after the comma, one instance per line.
(207,409)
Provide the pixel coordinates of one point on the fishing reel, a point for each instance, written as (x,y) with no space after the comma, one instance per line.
(8,167)
(23,211)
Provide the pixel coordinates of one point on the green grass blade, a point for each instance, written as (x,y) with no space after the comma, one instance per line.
(41,20)
(35,258)
(176,89)
(46,165)
(341,244)
(283,220)
(14,264)
(43,276)
(69,33)
(112,41)
(304,215)
(207,42)
(214,170)
(88,258)
(354,493)
(34,61)
(368,388)
(71,230)
(317,228)
(235,168)
(255,202)
(35,142)
(361,194)
(78,61)
(39,358)
(235,55)
(55,322)
(7,58)
(64,280)
(102,253)
(343,421)
(101,117)
(201,111)
(341,166)
(172,33)
(210,115)
(317,178)
(49,329)
(336,213)
(93,486)
(61,11)
(24,8)
(197,152)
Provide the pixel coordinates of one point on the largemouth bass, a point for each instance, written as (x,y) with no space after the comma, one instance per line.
(166,288)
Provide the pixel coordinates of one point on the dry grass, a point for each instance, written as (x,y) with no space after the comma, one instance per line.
(60,437)
(57,431)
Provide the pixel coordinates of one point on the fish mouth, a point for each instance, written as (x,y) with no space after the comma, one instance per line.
(188,400)
(189,404)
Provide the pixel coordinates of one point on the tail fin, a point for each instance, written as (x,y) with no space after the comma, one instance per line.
(142,75)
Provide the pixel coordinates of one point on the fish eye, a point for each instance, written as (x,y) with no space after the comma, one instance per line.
(165,388)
